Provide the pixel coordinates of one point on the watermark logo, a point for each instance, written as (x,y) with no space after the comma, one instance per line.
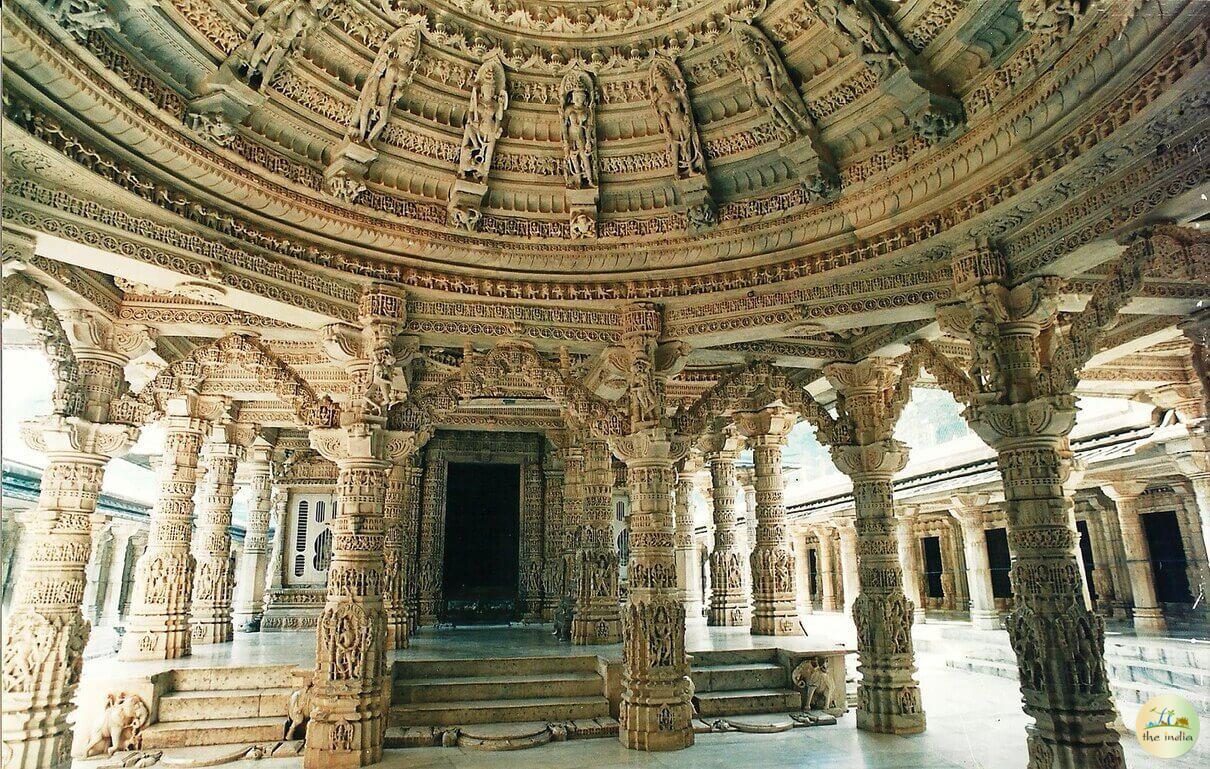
(1167,726)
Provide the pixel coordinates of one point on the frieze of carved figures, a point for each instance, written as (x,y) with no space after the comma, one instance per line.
(120,726)
(484,122)
(280,32)
(815,680)
(346,633)
(37,645)
(390,74)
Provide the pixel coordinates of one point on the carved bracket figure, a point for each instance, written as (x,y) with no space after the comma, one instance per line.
(578,110)
(934,111)
(769,84)
(669,96)
(482,128)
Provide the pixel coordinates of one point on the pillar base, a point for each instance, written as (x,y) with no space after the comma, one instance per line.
(890,723)
(591,632)
(159,644)
(1150,620)
(777,626)
(644,727)
(211,633)
(728,613)
(985,620)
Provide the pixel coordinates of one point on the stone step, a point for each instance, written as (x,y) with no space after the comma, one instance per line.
(748,701)
(223,731)
(460,688)
(1138,692)
(498,711)
(731,657)
(219,679)
(510,666)
(224,704)
(1156,651)
(1158,674)
(738,676)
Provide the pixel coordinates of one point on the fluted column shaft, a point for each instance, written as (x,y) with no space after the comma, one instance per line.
(45,633)
(395,502)
(655,712)
(827,587)
(688,578)
(212,579)
(774,579)
(158,622)
(250,581)
(597,617)
(728,602)
(1148,617)
(979,572)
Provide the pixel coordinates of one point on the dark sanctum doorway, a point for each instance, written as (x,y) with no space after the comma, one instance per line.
(482,528)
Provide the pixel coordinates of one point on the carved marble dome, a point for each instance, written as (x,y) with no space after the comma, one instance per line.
(830,137)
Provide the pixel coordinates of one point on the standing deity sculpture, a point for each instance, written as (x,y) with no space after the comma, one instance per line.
(877,42)
(390,74)
(484,121)
(670,97)
(281,31)
(578,108)
(769,83)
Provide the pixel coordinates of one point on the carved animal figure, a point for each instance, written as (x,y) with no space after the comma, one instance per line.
(120,725)
(812,677)
(298,710)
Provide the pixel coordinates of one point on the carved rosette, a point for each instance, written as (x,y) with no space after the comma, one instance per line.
(774,591)
(212,578)
(728,599)
(158,627)
(596,619)
(45,634)
(655,712)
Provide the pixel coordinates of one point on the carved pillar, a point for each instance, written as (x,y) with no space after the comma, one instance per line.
(212,578)
(827,587)
(45,632)
(596,619)
(432,538)
(277,551)
(1195,464)
(395,508)
(352,677)
(655,712)
(250,579)
(411,543)
(530,556)
(804,601)
(573,513)
(978,565)
(158,624)
(888,697)
(846,538)
(728,602)
(553,541)
(1148,616)
(774,590)
(688,578)
(907,546)
(111,607)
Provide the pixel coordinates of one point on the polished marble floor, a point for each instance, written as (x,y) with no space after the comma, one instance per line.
(974,720)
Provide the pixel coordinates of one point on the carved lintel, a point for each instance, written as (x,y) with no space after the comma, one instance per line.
(344,178)
(582,210)
(466,200)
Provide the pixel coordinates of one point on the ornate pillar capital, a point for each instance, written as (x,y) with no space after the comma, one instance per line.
(1123,491)
(723,445)
(867,408)
(872,461)
(767,426)
(58,435)
(652,445)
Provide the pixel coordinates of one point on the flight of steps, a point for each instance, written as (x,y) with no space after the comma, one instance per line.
(1138,669)
(434,696)
(741,682)
(217,706)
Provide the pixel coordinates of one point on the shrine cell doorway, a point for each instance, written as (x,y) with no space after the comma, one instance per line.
(481,564)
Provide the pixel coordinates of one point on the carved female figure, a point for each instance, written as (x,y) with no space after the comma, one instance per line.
(484,122)
(669,95)
(280,31)
(579,112)
(389,76)
(765,75)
